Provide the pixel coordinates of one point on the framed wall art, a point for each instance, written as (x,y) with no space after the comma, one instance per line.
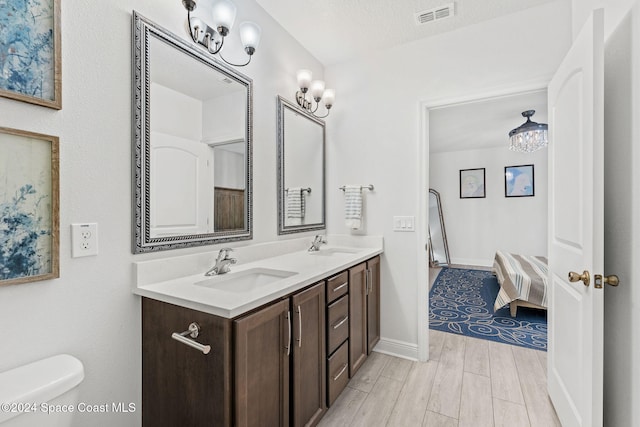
(29,207)
(30,58)
(519,181)
(472,183)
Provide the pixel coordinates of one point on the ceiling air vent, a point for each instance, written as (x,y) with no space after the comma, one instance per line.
(435,14)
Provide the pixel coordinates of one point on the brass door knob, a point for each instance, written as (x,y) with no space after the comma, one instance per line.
(611,280)
(585,277)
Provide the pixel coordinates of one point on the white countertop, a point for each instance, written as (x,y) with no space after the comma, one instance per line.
(170,279)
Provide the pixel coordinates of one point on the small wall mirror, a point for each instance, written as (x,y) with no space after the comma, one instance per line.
(192,144)
(438,246)
(301,189)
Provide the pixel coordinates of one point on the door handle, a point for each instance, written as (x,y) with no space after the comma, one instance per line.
(611,280)
(585,277)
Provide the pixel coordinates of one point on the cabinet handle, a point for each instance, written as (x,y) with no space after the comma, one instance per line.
(193,331)
(289,339)
(340,287)
(366,281)
(340,323)
(344,368)
(299,327)
(370,281)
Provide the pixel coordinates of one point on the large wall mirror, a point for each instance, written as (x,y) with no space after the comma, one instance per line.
(438,246)
(192,144)
(301,189)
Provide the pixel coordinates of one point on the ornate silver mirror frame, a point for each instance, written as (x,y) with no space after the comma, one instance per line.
(301,166)
(438,246)
(144,32)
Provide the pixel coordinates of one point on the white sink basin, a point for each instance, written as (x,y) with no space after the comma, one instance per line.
(245,281)
(334,251)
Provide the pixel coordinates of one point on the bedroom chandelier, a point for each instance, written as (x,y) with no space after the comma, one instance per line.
(316,90)
(529,136)
(222,18)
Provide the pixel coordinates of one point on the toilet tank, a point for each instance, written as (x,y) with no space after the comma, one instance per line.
(26,391)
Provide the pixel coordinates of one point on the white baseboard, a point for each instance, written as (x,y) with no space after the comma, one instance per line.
(472,262)
(397,348)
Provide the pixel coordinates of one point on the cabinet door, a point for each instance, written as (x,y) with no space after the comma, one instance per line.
(262,350)
(373,303)
(174,376)
(357,317)
(308,375)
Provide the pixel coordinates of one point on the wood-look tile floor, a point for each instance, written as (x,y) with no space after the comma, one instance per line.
(466,382)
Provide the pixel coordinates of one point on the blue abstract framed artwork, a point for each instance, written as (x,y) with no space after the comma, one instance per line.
(519,181)
(30,60)
(29,207)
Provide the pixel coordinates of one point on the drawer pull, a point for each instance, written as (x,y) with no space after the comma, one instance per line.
(340,323)
(344,368)
(193,331)
(340,287)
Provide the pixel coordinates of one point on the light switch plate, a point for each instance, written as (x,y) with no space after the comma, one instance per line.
(404,223)
(84,240)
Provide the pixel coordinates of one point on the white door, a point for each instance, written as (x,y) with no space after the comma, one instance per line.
(576,229)
(181,186)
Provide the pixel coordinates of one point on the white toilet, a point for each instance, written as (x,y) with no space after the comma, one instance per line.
(27,392)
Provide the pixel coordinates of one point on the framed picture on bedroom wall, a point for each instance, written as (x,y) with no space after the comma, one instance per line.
(472,183)
(519,181)
(29,207)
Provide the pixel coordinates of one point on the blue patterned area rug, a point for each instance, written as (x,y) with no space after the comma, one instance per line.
(461,302)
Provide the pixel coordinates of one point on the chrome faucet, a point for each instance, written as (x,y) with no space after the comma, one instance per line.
(223,263)
(317,241)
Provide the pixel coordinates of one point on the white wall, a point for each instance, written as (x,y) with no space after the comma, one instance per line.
(374,128)
(223,117)
(90,311)
(476,228)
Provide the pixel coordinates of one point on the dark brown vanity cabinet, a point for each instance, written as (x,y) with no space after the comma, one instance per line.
(264,368)
(280,365)
(364,311)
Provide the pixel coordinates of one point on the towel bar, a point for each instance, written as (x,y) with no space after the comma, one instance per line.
(193,331)
(308,190)
(368,187)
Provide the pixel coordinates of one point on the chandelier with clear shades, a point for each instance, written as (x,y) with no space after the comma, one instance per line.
(222,19)
(316,90)
(529,136)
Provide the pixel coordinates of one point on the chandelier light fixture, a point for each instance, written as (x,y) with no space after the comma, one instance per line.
(529,136)
(316,90)
(222,19)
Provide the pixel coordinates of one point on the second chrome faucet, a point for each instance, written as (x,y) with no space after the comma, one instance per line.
(223,263)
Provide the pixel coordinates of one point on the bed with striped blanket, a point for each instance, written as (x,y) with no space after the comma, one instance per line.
(522,279)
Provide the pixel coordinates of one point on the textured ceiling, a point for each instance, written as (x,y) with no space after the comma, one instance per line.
(335,30)
(483,124)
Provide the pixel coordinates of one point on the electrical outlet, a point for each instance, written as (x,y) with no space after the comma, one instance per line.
(84,240)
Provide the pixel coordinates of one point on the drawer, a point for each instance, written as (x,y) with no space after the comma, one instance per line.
(337,372)
(337,323)
(337,286)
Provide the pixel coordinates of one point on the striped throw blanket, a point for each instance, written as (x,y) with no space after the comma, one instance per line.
(522,277)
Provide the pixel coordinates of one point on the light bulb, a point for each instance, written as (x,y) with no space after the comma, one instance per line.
(329,97)
(317,89)
(304,79)
(224,14)
(250,36)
